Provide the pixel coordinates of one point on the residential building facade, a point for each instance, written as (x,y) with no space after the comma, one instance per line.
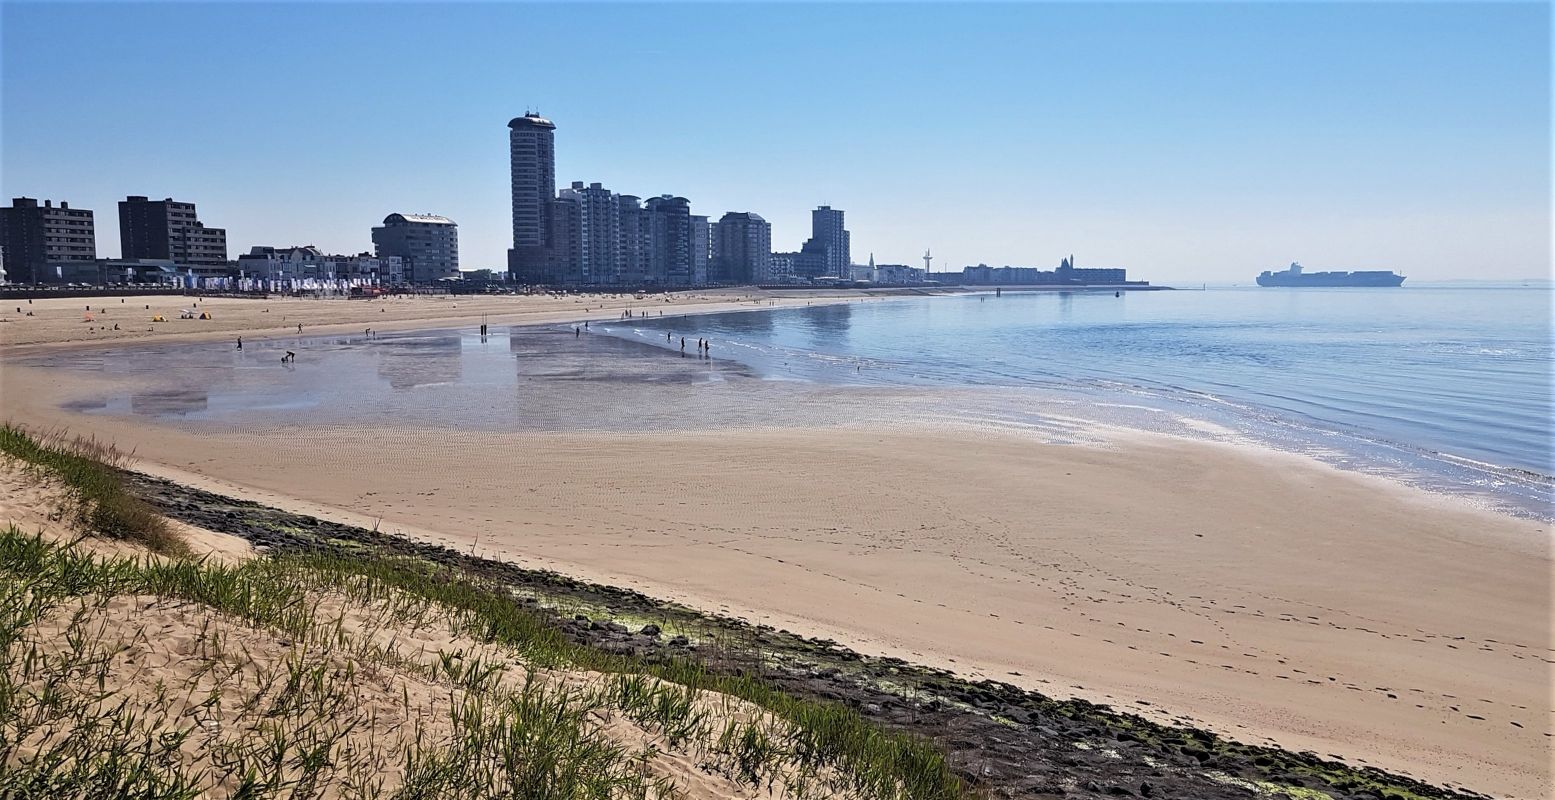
(830,240)
(632,242)
(428,245)
(42,244)
(306,261)
(171,230)
(596,255)
(701,249)
(669,240)
(532,162)
(742,249)
(782,268)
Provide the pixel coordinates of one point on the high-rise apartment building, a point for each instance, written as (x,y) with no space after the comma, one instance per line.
(168,230)
(427,244)
(532,158)
(40,242)
(632,249)
(596,255)
(701,249)
(742,249)
(566,243)
(830,240)
(669,240)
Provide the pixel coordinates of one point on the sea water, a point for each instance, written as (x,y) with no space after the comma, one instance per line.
(1446,388)
(1447,384)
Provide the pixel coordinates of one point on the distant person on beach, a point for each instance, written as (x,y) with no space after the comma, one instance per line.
(576,332)
(299,327)
(240,343)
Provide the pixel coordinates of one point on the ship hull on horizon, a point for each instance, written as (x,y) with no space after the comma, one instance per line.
(1331,279)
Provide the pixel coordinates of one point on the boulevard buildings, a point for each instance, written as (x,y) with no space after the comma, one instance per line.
(46,243)
(532,164)
(1067,274)
(742,249)
(587,235)
(428,245)
(168,230)
(828,246)
(305,262)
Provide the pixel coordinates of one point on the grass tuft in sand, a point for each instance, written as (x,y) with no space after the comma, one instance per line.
(92,470)
(327,676)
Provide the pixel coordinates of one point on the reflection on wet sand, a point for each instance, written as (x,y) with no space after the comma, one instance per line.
(171,402)
(410,361)
(456,376)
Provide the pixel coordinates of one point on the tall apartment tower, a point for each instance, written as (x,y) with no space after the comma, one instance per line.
(532,153)
(427,244)
(595,257)
(669,240)
(169,230)
(830,240)
(565,243)
(632,248)
(742,249)
(701,249)
(38,239)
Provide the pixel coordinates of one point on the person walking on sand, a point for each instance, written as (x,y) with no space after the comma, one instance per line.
(299,327)
(240,343)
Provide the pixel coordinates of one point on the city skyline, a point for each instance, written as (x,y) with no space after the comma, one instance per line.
(1410,138)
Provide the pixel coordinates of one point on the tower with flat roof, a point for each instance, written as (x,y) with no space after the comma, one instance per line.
(39,242)
(829,241)
(171,230)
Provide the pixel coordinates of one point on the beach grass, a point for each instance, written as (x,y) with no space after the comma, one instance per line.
(92,470)
(66,731)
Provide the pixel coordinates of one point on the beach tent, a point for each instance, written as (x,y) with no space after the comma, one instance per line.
(158,318)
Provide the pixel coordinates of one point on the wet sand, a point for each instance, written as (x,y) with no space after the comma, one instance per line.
(1259,594)
(90,321)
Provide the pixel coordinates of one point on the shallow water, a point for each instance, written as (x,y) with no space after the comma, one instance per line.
(1448,384)
(1444,388)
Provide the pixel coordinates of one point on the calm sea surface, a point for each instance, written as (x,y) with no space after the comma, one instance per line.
(1453,383)
(1448,388)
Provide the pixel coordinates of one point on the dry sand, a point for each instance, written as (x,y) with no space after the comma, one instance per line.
(1259,594)
(178,666)
(91,320)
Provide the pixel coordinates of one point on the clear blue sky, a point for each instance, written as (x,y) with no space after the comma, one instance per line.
(1186,142)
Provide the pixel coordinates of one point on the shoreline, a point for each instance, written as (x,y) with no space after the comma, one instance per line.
(1084,565)
(65,332)
(998,736)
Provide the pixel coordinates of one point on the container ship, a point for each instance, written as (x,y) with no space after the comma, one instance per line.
(1293,276)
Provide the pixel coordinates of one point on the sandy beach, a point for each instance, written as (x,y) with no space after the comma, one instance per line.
(1259,594)
(90,321)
